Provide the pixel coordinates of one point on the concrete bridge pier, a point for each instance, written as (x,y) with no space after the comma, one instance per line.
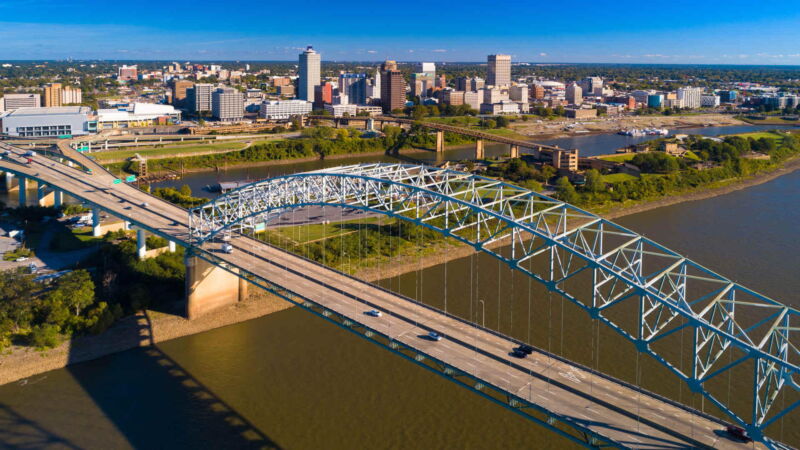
(172,246)
(209,287)
(96,222)
(141,244)
(439,141)
(58,198)
(514,151)
(370,124)
(23,187)
(44,198)
(8,182)
(479,153)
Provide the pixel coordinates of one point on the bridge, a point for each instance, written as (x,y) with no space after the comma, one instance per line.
(552,242)
(560,157)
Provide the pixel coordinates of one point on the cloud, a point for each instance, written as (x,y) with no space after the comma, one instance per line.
(439,50)
(372,51)
(655,55)
(411,51)
(542,54)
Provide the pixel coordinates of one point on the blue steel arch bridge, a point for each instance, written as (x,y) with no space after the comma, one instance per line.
(597,265)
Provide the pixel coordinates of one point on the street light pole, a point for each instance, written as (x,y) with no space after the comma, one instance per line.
(483,312)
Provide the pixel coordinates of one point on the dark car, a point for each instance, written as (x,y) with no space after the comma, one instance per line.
(517,353)
(738,433)
(525,348)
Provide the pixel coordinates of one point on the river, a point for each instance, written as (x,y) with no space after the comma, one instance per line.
(292,380)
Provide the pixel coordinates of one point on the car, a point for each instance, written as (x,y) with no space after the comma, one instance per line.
(145,205)
(738,433)
(29,154)
(525,348)
(374,313)
(5,153)
(227,248)
(517,353)
(21,259)
(434,336)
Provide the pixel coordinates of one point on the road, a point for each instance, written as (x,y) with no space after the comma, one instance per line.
(611,409)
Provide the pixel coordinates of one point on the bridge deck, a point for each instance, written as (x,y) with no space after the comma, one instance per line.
(611,409)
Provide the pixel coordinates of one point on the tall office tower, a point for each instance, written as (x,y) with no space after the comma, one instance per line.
(592,86)
(537,92)
(428,68)
(476,83)
(52,95)
(518,93)
(354,85)
(227,104)
(462,84)
(13,102)
(198,97)
(126,73)
(420,83)
(499,73)
(574,94)
(71,96)
(323,95)
(690,97)
(393,87)
(309,74)
(179,88)
(376,85)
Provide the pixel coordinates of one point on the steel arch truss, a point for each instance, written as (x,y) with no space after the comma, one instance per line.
(666,292)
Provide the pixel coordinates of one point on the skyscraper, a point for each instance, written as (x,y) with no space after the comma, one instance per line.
(52,95)
(227,104)
(574,94)
(393,87)
(198,97)
(179,88)
(354,85)
(499,73)
(309,74)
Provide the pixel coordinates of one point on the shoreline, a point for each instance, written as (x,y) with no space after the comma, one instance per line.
(22,362)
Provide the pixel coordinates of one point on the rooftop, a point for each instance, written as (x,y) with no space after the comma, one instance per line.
(51,111)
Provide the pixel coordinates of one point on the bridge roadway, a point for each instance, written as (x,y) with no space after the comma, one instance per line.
(631,418)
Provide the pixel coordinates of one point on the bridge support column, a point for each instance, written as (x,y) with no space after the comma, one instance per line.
(479,154)
(172,246)
(370,124)
(44,198)
(96,222)
(439,141)
(209,287)
(23,187)
(515,151)
(58,198)
(8,182)
(141,244)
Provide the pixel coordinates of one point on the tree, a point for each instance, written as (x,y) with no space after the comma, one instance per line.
(594,181)
(185,190)
(565,191)
(501,121)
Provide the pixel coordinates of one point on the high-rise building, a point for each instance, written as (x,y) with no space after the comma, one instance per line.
(518,93)
(592,86)
(727,96)
(393,87)
(12,102)
(71,96)
(428,68)
(537,92)
(493,95)
(127,73)
(690,96)
(574,94)
(227,104)
(354,85)
(179,88)
(376,86)
(419,84)
(323,94)
(499,73)
(52,95)
(310,62)
(441,82)
(198,97)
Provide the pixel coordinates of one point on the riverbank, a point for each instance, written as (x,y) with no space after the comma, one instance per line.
(143,329)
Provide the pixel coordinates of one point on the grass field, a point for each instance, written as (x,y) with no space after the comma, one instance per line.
(760,134)
(772,120)
(171,151)
(623,157)
(691,155)
(618,177)
(302,234)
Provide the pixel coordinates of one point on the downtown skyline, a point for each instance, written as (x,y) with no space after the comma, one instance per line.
(681,32)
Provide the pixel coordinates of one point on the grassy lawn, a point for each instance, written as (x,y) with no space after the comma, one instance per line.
(771,120)
(760,134)
(67,239)
(691,155)
(170,151)
(302,234)
(618,177)
(622,157)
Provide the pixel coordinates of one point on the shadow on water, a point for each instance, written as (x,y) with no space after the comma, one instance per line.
(18,432)
(163,405)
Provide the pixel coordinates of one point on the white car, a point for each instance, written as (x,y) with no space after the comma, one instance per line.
(21,259)
(434,336)
(374,313)
(227,248)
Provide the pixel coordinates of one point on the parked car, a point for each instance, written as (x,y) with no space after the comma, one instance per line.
(434,336)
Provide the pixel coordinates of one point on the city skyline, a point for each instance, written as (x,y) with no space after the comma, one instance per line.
(681,32)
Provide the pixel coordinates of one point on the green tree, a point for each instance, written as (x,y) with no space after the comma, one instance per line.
(594,181)
(565,191)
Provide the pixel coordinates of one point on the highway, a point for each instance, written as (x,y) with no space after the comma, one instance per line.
(611,409)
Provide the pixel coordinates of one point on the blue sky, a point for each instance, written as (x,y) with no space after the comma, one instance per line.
(624,31)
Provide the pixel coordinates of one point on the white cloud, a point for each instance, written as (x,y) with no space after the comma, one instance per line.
(439,50)
(542,54)
(372,51)
(411,51)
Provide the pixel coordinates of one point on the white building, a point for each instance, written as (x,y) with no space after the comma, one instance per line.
(690,97)
(12,102)
(574,94)
(518,93)
(493,95)
(641,96)
(709,101)
(592,86)
(342,110)
(284,109)
(71,96)
(137,115)
(47,122)
(310,62)
(502,107)
(227,104)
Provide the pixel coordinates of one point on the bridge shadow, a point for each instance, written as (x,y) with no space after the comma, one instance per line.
(18,432)
(153,402)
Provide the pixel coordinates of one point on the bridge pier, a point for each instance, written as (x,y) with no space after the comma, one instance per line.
(172,246)
(58,198)
(141,244)
(479,152)
(23,187)
(439,141)
(96,222)
(514,151)
(8,182)
(44,198)
(209,287)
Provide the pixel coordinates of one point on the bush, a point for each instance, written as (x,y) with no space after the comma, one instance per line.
(45,336)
